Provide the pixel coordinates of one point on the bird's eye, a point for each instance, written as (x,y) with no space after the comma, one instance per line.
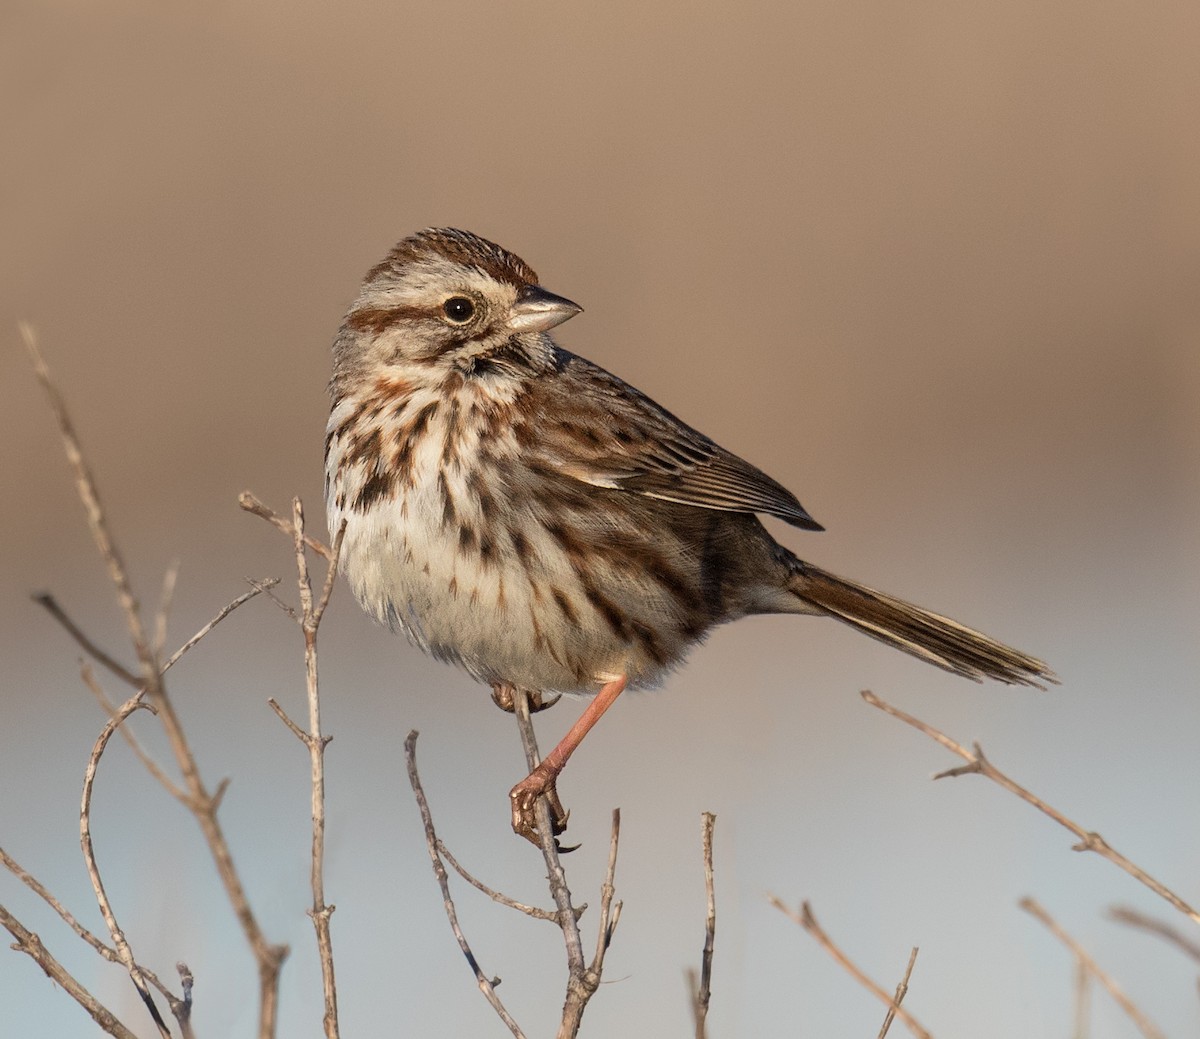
(459,309)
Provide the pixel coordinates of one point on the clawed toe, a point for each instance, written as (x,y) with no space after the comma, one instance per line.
(524,798)
(502,697)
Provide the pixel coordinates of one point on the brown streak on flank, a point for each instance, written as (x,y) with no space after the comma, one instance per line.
(501,601)
(366,448)
(649,641)
(376,487)
(478,486)
(449,511)
(466,538)
(521,546)
(607,609)
(487,549)
(452,587)
(373,320)
(564,604)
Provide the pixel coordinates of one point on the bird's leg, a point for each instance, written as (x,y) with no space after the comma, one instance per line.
(502,697)
(541,781)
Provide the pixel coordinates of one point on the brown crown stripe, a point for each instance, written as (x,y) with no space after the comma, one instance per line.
(373,320)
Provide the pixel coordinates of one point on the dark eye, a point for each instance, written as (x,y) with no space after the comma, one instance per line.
(459,309)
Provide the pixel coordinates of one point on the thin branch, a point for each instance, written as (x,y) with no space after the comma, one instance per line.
(610,913)
(251,504)
(1132,918)
(804,917)
(110,709)
(486,985)
(50,604)
(1143,1023)
(497,896)
(85,485)
(257,587)
(105,951)
(124,952)
(700,986)
(316,744)
(977,764)
(582,979)
(203,805)
(901,992)
(30,944)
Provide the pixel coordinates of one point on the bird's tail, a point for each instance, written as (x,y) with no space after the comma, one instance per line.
(929,636)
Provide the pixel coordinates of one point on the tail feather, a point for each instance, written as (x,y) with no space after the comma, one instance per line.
(928,636)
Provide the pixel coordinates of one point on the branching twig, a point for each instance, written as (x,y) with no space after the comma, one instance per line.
(310,621)
(202,804)
(105,951)
(486,985)
(1144,1025)
(804,917)
(30,944)
(498,896)
(124,952)
(582,979)
(251,504)
(979,765)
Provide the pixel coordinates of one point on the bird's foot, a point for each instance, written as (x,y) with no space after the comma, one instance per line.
(524,798)
(503,696)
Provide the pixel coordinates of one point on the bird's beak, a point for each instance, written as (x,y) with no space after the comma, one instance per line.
(537,310)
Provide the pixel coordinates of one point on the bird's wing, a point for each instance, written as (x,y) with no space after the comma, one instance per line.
(586,423)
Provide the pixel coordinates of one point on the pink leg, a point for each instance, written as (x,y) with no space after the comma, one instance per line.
(541,781)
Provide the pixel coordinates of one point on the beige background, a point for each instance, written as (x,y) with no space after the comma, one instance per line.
(932,265)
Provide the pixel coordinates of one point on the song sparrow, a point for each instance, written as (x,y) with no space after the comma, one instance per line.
(525,514)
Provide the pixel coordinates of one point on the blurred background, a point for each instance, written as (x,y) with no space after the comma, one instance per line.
(933,266)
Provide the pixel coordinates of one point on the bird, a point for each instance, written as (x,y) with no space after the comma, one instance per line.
(521,512)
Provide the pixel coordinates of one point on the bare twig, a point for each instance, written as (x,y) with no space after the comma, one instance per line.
(203,805)
(110,709)
(50,604)
(257,587)
(610,912)
(804,917)
(30,944)
(105,951)
(316,743)
(124,952)
(582,979)
(251,504)
(700,986)
(977,764)
(497,896)
(901,992)
(486,985)
(1144,1025)
(1132,918)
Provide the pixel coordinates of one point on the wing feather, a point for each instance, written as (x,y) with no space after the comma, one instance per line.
(608,434)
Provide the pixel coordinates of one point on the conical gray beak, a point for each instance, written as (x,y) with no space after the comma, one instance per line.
(537,310)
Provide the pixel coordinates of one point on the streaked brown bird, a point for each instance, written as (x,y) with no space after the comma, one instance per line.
(525,514)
